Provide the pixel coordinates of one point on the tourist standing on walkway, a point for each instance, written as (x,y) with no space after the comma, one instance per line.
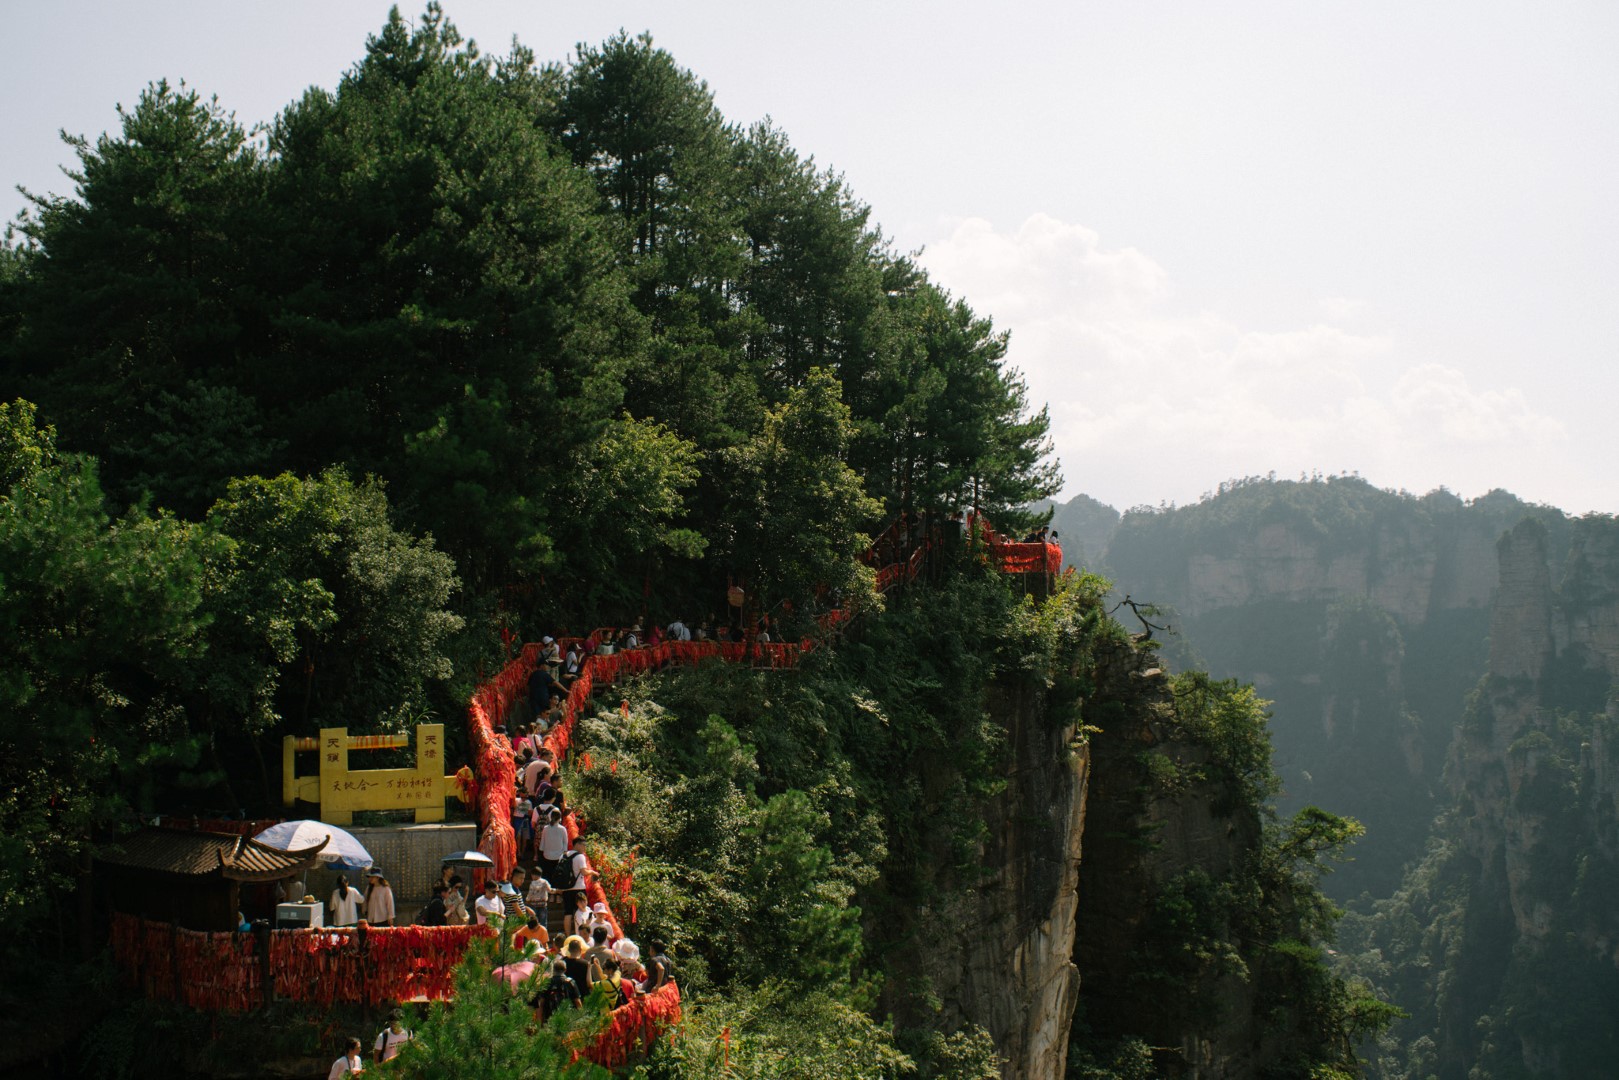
(435,914)
(455,902)
(345,904)
(379,899)
(553,846)
(489,903)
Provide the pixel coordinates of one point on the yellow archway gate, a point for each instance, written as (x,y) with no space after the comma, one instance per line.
(340,790)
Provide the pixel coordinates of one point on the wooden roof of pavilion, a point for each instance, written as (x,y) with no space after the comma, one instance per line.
(196,854)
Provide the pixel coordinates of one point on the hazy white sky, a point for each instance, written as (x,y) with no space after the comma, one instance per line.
(1227,238)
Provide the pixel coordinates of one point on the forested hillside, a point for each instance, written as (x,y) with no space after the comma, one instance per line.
(1361,614)
(305,421)
(1443,671)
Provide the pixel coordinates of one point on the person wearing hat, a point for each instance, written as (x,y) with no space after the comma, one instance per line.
(625,949)
(512,907)
(345,903)
(379,898)
(632,638)
(573,956)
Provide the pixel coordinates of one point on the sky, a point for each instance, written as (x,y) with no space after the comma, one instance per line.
(1227,239)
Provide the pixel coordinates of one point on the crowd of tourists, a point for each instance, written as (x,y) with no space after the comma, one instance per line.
(548,887)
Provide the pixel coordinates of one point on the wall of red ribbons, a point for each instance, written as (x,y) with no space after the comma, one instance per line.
(224,972)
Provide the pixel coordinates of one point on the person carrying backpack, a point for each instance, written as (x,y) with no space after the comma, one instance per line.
(554,993)
(392,1038)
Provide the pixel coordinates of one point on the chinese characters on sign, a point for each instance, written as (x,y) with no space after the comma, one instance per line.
(341,791)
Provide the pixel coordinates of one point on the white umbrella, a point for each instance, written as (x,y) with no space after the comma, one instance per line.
(467,858)
(343,851)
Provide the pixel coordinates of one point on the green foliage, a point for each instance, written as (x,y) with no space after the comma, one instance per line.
(812,935)
(780,1031)
(1231,720)
(1130,1059)
(137,1039)
(149,656)
(1484,993)
(967,1054)
(797,509)
(1228,946)
(488,1031)
(104,621)
(318,581)
(132,289)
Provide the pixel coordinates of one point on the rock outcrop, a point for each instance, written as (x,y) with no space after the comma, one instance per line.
(1520,893)
(1001,954)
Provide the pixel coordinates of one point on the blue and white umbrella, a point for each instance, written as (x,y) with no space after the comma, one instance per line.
(342,851)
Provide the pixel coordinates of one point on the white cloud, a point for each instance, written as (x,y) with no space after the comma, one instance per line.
(1151,402)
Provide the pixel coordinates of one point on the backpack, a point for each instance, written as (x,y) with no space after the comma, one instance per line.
(560,875)
(550,997)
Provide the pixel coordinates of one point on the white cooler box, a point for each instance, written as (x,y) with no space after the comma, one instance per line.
(298,916)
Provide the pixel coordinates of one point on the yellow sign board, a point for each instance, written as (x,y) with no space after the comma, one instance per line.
(340,790)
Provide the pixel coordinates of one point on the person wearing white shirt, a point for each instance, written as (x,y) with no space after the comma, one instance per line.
(379,899)
(394,1036)
(349,1064)
(678,631)
(539,893)
(489,903)
(345,903)
(553,840)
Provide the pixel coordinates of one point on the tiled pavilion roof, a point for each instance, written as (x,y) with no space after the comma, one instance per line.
(178,851)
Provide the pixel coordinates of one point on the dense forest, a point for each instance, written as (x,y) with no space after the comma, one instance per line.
(304,420)
(1442,670)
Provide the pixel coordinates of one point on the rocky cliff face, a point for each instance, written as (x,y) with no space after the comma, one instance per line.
(1001,954)
(1362,614)
(1536,781)
(1513,969)
(1144,834)
(1408,569)
(1191,946)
